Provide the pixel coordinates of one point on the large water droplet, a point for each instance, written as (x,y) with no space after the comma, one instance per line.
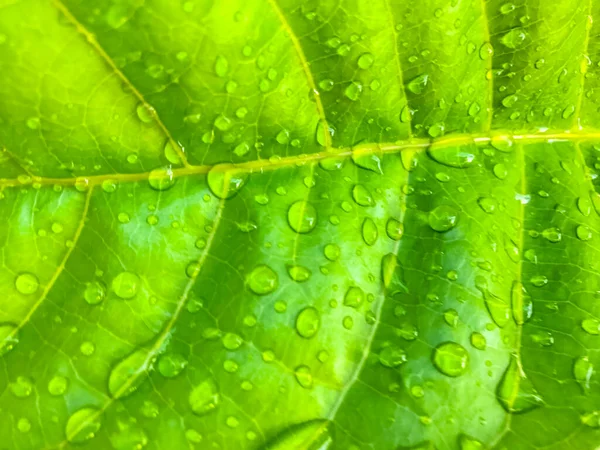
(354,297)
(27,283)
(514,38)
(299,273)
(304,376)
(369,231)
(417,85)
(451,359)
(204,398)
(83,425)
(394,229)
(302,216)
(127,375)
(311,435)
(94,292)
(225,181)
(443,218)
(458,157)
(392,356)
(362,196)
(125,285)
(8,337)
(262,280)
(171,364)
(515,392)
(522,305)
(308,322)
(583,370)
(161,179)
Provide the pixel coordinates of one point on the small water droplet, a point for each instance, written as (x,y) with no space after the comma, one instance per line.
(478,340)
(365,60)
(552,234)
(353,90)
(171,364)
(522,305)
(58,385)
(95,292)
(392,356)
(514,38)
(304,377)
(458,157)
(362,196)
(583,370)
(394,229)
(417,85)
(299,273)
(161,179)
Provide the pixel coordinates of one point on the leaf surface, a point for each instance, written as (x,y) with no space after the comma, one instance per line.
(299,225)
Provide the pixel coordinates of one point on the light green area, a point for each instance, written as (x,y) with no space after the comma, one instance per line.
(307,225)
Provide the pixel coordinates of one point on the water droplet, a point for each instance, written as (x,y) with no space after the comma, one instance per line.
(299,273)
(302,216)
(488,204)
(369,231)
(522,305)
(583,370)
(478,340)
(58,385)
(232,341)
(308,322)
(224,181)
(304,377)
(539,280)
(591,419)
(451,359)
(469,443)
(171,364)
(406,114)
(500,171)
(332,252)
(486,51)
(392,356)
(95,292)
(83,425)
(591,326)
(394,229)
(23,425)
(161,179)
(127,375)
(353,90)
(510,101)
(204,398)
(451,317)
(310,435)
(354,297)
(389,264)
(365,60)
(27,283)
(437,129)
(362,196)
(221,66)
(262,280)
(443,218)
(552,234)
(515,391)
(8,337)
(417,85)
(145,112)
(171,154)
(223,123)
(369,161)
(502,143)
(458,157)
(514,38)
(21,387)
(125,285)
(507,8)
(584,232)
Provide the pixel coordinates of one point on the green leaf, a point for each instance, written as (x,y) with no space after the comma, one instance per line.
(289,224)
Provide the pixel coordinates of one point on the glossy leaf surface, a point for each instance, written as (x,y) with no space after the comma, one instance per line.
(287,224)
